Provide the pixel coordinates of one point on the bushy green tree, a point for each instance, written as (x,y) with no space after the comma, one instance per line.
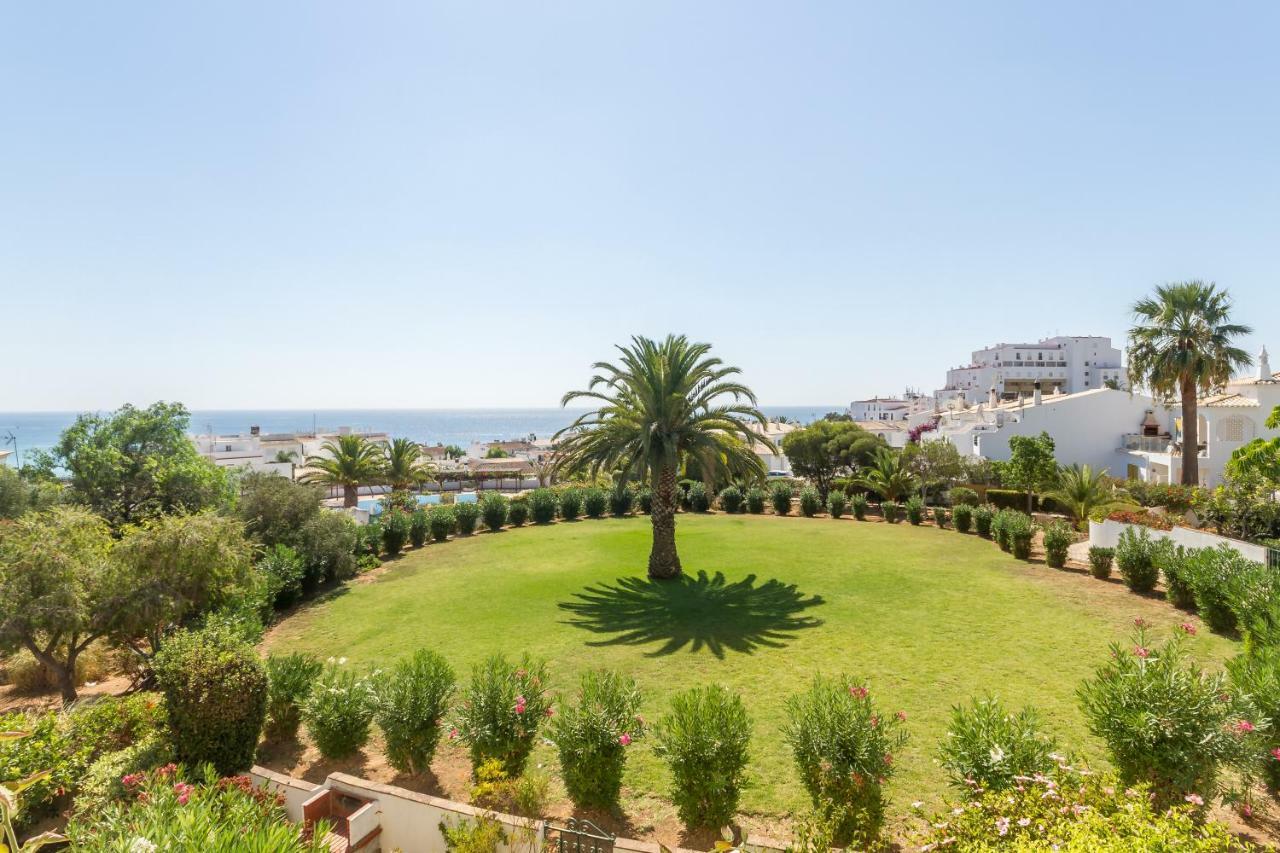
(826,448)
(1031,467)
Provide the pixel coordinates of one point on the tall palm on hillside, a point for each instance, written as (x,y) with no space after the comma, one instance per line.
(405,465)
(349,462)
(889,475)
(664,402)
(1181,347)
(1081,489)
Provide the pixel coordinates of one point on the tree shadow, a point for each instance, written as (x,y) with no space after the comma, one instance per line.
(703,612)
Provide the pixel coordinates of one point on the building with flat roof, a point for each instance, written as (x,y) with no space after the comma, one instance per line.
(1066,364)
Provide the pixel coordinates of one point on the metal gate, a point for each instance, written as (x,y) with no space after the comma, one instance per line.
(579,836)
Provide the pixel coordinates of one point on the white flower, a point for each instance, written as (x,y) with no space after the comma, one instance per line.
(997,755)
(142,845)
(917,805)
(342,661)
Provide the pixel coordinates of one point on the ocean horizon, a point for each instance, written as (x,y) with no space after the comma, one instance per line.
(40,430)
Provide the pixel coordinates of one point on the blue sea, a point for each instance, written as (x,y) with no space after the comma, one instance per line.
(38,430)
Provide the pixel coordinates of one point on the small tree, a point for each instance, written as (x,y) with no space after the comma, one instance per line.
(937,465)
(1031,466)
(825,448)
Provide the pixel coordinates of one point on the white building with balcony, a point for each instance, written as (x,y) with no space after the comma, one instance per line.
(1066,364)
(280,453)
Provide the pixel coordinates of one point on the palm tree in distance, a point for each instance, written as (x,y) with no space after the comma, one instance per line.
(1081,490)
(889,475)
(405,464)
(349,462)
(1181,347)
(664,402)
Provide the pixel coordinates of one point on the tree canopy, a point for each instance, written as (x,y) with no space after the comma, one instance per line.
(827,448)
(1031,466)
(1260,457)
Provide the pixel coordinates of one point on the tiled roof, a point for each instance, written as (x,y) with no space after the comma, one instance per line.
(1233,401)
(872,426)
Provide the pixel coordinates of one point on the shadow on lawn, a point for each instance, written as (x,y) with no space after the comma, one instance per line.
(703,612)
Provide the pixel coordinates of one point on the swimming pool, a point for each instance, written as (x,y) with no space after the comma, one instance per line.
(373,506)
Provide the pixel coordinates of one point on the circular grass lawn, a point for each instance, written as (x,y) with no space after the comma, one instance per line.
(929,617)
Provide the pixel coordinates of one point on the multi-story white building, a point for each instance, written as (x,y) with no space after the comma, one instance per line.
(1066,364)
(890,409)
(281,453)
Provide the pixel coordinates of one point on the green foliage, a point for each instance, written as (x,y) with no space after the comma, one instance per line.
(442,522)
(1010,499)
(283,571)
(844,750)
(983,517)
(892,511)
(621,500)
(858,506)
(571,504)
(339,709)
(941,517)
(1166,722)
(963,516)
(963,496)
(1173,497)
(731,500)
(1244,507)
(1135,558)
(890,475)
(988,748)
(837,504)
(699,500)
(465,516)
(349,462)
(810,502)
(595,502)
(1031,467)
(780,495)
(937,465)
(1081,491)
(1227,587)
(593,735)
(824,448)
(20,494)
(915,510)
(518,511)
(411,701)
(274,509)
(1057,539)
(493,511)
(644,500)
(289,680)
(494,788)
(370,541)
(502,708)
(1019,531)
(1257,675)
(704,740)
(405,465)
(1100,560)
(482,835)
(102,784)
(755,499)
(328,544)
(543,504)
(215,691)
(419,528)
(395,531)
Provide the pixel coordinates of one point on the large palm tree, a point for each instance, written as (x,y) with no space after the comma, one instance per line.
(1181,347)
(405,465)
(349,462)
(889,475)
(1081,490)
(664,402)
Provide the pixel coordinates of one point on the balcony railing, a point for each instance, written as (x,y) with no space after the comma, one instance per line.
(1157,444)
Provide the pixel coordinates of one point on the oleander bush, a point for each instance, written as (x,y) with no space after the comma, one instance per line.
(442,522)
(755,500)
(339,710)
(810,502)
(844,749)
(1227,586)
(1256,674)
(518,511)
(983,521)
(1000,531)
(289,680)
(989,748)
(858,506)
(837,504)
(621,500)
(215,690)
(595,502)
(1057,539)
(419,528)
(465,516)
(1100,560)
(502,708)
(1020,531)
(409,706)
(644,500)
(699,500)
(1176,564)
(915,510)
(103,782)
(283,571)
(592,737)
(941,517)
(571,503)
(369,539)
(780,495)
(731,499)
(1135,558)
(963,516)
(543,505)
(395,532)
(962,496)
(1167,723)
(493,511)
(704,741)
(891,511)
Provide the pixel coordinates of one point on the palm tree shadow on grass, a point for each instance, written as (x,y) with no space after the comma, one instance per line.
(703,612)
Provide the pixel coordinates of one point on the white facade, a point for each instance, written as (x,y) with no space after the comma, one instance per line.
(894,433)
(891,409)
(1068,364)
(774,462)
(281,453)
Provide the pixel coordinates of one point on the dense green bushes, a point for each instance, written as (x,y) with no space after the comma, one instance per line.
(988,748)
(570,504)
(465,516)
(962,514)
(1135,558)
(837,504)
(1100,560)
(704,739)
(502,708)
(518,511)
(731,499)
(289,680)
(542,506)
(395,531)
(410,703)
(858,506)
(493,511)
(891,511)
(810,502)
(419,528)
(963,496)
(983,520)
(338,710)
(780,495)
(592,737)
(1057,539)
(699,500)
(595,502)
(621,500)
(914,508)
(755,500)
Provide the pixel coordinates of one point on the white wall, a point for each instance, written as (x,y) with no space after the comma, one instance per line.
(1106,534)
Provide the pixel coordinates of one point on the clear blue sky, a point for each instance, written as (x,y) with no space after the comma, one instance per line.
(307,204)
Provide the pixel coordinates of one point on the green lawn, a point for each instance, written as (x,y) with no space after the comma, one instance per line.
(930,617)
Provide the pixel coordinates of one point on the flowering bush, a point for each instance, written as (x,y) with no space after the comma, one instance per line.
(518,511)
(339,710)
(1142,518)
(165,811)
(891,511)
(844,749)
(1074,811)
(704,739)
(501,711)
(1177,564)
(837,503)
(1100,562)
(1135,557)
(542,506)
(465,516)
(1257,675)
(858,506)
(1057,539)
(780,497)
(1226,586)
(987,748)
(493,511)
(983,519)
(962,514)
(810,502)
(755,498)
(409,706)
(289,680)
(593,735)
(571,504)
(442,522)
(595,502)
(1166,722)
(731,499)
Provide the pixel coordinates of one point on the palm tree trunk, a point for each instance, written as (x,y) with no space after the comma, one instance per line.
(350,495)
(1190,436)
(664,562)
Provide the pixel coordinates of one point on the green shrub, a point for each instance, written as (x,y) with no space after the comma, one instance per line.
(983,520)
(410,703)
(370,539)
(1100,562)
(621,499)
(731,499)
(844,750)
(395,532)
(780,497)
(593,735)
(339,710)
(1257,675)
(1175,498)
(1057,539)
(1000,529)
(891,511)
(465,515)
(442,522)
(1135,557)
(1167,723)
(102,784)
(837,504)
(963,515)
(963,496)
(1011,499)
(518,511)
(367,563)
(328,547)
(1020,531)
(755,499)
(419,528)
(941,517)
(482,835)
(704,739)
(595,502)
(644,500)
(571,504)
(858,506)
(699,500)
(215,690)
(914,508)
(810,502)
(502,708)
(283,572)
(525,795)
(1226,585)
(987,748)
(542,506)
(1176,563)
(493,511)
(289,680)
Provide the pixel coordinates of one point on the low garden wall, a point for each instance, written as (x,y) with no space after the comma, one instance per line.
(1106,534)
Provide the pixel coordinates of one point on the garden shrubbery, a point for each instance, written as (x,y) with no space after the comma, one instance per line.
(1100,560)
(780,498)
(442,522)
(699,500)
(731,499)
(542,506)
(891,511)
(502,708)
(983,521)
(755,499)
(465,516)
(592,737)
(914,508)
(419,528)
(410,703)
(987,748)
(493,510)
(518,511)
(858,506)
(571,504)
(1136,559)
(810,502)
(837,504)
(941,516)
(621,500)
(704,740)
(284,571)
(1057,540)
(289,680)
(963,496)
(644,500)
(339,710)
(963,516)
(595,502)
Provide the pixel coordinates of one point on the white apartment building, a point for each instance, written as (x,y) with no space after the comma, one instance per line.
(890,409)
(775,462)
(1066,364)
(282,453)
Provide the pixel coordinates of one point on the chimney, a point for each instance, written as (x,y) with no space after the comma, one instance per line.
(992,399)
(1264,366)
(1035,395)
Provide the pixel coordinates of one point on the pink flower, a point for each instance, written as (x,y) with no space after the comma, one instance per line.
(520,673)
(624,739)
(1024,821)
(520,700)
(519,709)
(875,721)
(1002,825)
(1140,622)
(901,715)
(1275,753)
(1189,628)
(453,733)
(858,692)
(1246,810)
(888,758)
(1140,651)
(1243,726)
(1194,799)
(639,719)
(548,712)
(183,790)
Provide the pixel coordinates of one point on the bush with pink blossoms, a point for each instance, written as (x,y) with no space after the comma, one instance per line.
(502,710)
(593,737)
